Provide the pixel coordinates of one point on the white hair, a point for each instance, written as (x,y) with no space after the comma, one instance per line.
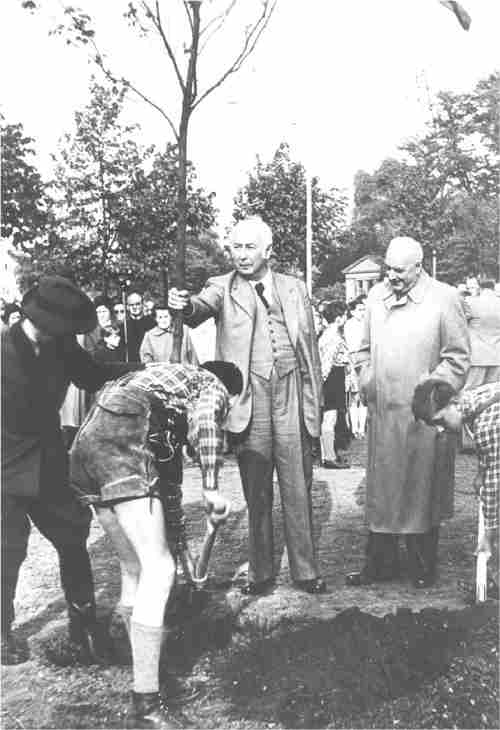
(407,245)
(256,226)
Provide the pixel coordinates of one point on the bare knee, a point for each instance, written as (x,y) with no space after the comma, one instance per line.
(158,572)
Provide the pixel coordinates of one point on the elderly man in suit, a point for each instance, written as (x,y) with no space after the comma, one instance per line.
(265,326)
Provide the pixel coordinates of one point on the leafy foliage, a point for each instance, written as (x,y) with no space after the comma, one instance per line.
(24,204)
(443,191)
(276,191)
(114,214)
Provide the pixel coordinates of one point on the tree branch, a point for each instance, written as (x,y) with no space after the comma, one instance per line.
(157,22)
(220,19)
(184,3)
(251,40)
(191,82)
(154,105)
(99,60)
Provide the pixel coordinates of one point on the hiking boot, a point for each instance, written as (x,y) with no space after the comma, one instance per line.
(148,710)
(14,650)
(83,631)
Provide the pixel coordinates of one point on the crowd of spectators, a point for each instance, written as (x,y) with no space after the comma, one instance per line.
(412,354)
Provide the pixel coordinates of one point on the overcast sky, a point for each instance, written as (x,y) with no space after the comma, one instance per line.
(343,81)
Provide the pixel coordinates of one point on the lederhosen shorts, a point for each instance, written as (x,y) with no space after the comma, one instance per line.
(120,447)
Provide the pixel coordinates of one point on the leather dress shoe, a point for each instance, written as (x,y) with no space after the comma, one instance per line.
(257,588)
(149,712)
(424,581)
(365,578)
(328,464)
(359,578)
(314,585)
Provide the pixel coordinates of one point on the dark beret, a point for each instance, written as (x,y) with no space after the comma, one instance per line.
(429,397)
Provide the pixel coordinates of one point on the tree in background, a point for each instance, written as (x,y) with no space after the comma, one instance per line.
(24,203)
(182,51)
(148,233)
(444,190)
(113,212)
(276,191)
(96,167)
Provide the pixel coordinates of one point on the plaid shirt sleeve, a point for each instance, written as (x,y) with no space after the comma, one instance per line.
(206,433)
(486,432)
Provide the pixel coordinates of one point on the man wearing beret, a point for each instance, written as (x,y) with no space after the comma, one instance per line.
(414,329)
(40,358)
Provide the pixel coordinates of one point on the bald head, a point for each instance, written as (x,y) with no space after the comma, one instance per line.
(250,246)
(403,261)
(406,249)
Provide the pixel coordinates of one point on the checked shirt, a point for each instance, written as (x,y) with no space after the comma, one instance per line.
(485,425)
(205,400)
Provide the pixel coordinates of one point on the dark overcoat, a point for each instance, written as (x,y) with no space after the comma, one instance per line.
(33,389)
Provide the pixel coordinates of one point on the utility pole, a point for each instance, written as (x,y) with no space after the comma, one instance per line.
(309,233)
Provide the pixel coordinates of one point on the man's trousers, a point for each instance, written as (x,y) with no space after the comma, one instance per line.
(277,438)
(65,523)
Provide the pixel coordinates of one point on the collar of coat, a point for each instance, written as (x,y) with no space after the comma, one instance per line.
(24,349)
(287,293)
(416,293)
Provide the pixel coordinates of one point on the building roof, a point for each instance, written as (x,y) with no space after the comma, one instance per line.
(369,264)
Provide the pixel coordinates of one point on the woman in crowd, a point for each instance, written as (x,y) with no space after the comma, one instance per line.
(353,330)
(334,358)
(103,311)
(110,347)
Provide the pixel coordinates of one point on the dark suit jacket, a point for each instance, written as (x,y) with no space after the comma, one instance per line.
(136,329)
(33,389)
(231,301)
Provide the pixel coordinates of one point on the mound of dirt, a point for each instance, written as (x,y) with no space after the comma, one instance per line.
(334,673)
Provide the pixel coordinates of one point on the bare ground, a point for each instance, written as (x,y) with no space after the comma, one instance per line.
(382,656)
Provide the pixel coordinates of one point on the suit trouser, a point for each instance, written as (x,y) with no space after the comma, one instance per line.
(65,524)
(277,437)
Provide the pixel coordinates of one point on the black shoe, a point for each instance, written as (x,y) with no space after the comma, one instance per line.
(327,464)
(83,631)
(359,578)
(365,578)
(257,589)
(14,650)
(314,585)
(148,710)
(424,581)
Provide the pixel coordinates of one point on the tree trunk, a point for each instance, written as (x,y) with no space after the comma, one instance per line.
(180,258)
(189,94)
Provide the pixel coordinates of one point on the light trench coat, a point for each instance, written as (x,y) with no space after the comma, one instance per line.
(410,471)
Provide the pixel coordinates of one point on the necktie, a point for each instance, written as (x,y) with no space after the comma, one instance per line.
(259,288)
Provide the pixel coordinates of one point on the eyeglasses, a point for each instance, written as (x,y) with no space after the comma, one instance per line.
(118,310)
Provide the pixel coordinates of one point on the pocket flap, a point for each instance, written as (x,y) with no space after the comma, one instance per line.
(116,400)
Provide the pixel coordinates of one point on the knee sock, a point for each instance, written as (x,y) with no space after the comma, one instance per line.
(125,613)
(146,646)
